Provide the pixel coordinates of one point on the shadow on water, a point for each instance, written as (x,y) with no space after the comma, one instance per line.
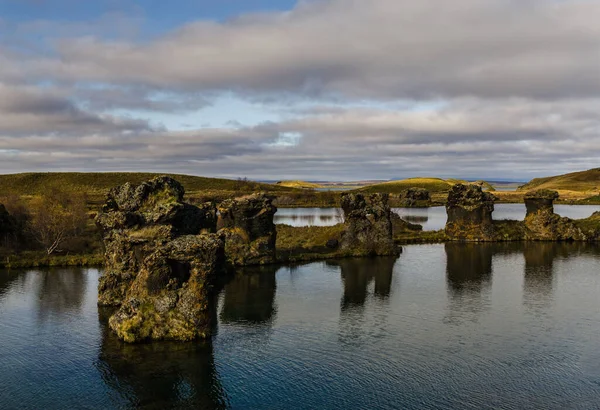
(358,273)
(161,374)
(60,291)
(250,296)
(7,278)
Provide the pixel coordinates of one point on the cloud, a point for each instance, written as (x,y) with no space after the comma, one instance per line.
(383,49)
(361,89)
(511,138)
(31,110)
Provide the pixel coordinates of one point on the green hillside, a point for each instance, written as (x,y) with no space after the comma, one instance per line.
(433,185)
(582,181)
(98,183)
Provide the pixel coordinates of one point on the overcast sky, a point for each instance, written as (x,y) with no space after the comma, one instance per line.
(315,89)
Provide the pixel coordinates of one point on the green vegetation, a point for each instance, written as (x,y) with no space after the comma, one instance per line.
(583,181)
(30,259)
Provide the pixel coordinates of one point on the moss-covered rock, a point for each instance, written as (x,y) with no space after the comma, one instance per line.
(247,226)
(135,220)
(469,212)
(368,225)
(415,198)
(172,296)
(543,224)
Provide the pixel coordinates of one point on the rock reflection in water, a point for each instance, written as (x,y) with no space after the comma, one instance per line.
(60,291)
(468,278)
(160,374)
(250,296)
(308,216)
(357,275)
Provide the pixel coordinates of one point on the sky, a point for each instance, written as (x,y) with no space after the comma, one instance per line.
(309,89)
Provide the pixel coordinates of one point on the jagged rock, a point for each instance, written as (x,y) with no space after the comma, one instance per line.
(247,226)
(161,259)
(542,223)
(469,212)
(135,220)
(171,298)
(415,197)
(368,225)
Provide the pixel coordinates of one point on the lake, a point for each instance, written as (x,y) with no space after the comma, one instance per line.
(432,219)
(489,326)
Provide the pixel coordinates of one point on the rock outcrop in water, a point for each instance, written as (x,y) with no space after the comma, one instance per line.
(161,260)
(368,225)
(469,212)
(543,224)
(470,219)
(247,226)
(415,197)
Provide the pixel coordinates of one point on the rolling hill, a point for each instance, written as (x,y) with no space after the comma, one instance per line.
(433,185)
(583,181)
(98,183)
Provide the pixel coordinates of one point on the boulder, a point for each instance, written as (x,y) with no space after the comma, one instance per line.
(368,225)
(246,224)
(415,197)
(469,212)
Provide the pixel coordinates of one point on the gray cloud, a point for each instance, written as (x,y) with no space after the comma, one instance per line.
(30,110)
(365,89)
(375,49)
(510,138)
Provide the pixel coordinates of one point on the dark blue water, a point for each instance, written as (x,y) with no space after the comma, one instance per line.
(497,326)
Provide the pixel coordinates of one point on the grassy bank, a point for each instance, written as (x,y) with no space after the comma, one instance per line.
(41,259)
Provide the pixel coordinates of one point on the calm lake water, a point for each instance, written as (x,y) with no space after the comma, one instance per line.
(496,326)
(432,219)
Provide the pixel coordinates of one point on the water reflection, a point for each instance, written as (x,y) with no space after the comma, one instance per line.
(308,216)
(60,291)
(358,273)
(468,279)
(160,375)
(7,277)
(250,296)
(539,272)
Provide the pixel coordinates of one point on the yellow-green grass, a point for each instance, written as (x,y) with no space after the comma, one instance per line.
(99,183)
(583,181)
(433,185)
(299,184)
